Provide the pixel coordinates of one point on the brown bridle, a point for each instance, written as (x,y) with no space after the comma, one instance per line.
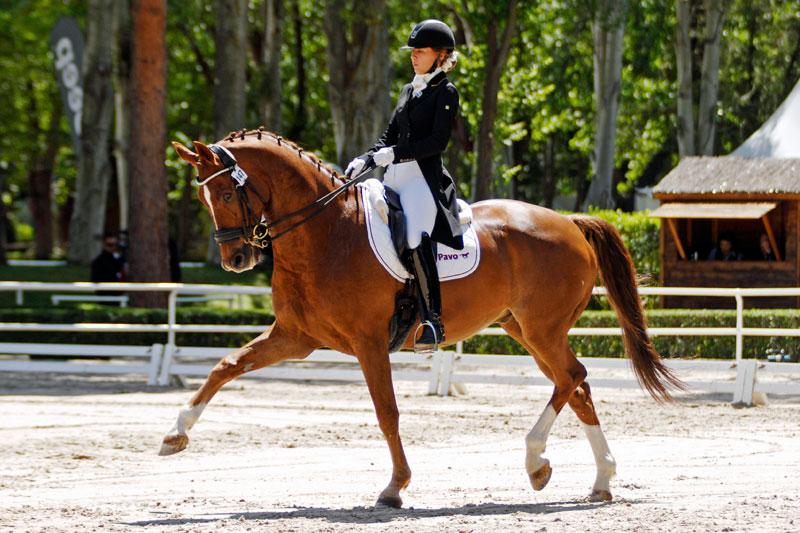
(260,233)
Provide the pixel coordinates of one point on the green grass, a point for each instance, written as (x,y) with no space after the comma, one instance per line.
(215,275)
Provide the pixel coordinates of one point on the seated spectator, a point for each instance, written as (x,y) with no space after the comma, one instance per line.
(108,265)
(765,249)
(724,251)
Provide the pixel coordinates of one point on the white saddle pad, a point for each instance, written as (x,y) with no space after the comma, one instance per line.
(451,264)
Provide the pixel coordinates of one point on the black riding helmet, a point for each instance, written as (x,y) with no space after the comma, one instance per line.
(431,33)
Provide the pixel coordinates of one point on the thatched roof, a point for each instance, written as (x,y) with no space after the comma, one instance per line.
(732,175)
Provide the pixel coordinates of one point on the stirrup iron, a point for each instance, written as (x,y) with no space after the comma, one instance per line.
(426,349)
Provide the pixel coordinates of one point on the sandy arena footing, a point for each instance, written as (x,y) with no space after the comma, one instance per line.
(80,453)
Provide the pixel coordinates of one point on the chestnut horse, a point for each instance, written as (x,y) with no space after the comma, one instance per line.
(535,278)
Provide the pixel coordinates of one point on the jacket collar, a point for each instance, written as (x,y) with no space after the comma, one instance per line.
(432,84)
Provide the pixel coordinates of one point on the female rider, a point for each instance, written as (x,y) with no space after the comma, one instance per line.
(411,148)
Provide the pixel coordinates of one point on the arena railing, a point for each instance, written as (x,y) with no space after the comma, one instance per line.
(441,373)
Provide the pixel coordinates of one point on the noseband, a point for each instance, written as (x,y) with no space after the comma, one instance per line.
(260,233)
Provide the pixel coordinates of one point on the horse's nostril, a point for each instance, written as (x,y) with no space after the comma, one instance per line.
(238,260)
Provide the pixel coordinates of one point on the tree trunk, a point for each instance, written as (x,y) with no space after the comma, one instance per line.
(358,68)
(122,65)
(683,54)
(148,253)
(270,97)
(709,81)
(94,166)
(40,177)
(230,69)
(230,63)
(608,30)
(300,114)
(39,183)
(495,63)
(186,212)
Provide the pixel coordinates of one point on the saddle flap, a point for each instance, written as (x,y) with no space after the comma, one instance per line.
(388,241)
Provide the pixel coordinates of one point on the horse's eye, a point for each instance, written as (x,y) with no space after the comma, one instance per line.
(227,197)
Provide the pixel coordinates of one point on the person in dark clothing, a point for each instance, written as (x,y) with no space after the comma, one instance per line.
(725,249)
(411,148)
(174,262)
(765,249)
(108,266)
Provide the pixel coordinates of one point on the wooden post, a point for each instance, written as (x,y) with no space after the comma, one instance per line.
(771,236)
(674,231)
(689,241)
(715,231)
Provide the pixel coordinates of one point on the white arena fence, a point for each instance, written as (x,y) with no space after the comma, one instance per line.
(443,371)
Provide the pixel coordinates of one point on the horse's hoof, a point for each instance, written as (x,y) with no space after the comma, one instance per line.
(600,496)
(395,502)
(541,477)
(173,444)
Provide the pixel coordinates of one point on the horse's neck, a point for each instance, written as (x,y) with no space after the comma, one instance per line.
(318,242)
(325,242)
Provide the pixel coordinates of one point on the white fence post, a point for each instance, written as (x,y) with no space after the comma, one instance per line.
(169,349)
(19,296)
(745,382)
(436,369)
(166,364)
(739,326)
(156,355)
(448,360)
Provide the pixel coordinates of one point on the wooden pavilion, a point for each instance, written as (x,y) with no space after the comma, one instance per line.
(704,198)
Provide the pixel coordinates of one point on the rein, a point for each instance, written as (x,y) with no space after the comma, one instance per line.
(260,234)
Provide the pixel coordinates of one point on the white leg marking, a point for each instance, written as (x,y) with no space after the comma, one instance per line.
(207,196)
(536,440)
(187,418)
(606,465)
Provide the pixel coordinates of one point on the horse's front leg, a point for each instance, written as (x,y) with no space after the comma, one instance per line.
(272,346)
(378,374)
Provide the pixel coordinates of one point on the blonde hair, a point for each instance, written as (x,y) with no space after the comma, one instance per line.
(449,61)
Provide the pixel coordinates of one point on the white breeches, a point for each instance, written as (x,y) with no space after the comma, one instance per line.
(415,197)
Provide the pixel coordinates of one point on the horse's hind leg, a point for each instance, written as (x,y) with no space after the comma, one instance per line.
(272,346)
(580,401)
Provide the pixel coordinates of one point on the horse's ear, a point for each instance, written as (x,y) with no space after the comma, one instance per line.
(186,154)
(205,154)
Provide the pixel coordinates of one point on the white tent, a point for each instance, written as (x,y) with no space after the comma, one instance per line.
(779,136)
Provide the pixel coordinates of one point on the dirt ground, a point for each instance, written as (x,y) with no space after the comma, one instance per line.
(80,453)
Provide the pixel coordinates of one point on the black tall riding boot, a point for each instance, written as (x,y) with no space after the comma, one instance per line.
(423,261)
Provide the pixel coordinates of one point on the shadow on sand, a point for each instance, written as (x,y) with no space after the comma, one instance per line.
(372,515)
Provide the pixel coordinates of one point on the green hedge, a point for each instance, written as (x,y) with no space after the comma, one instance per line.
(595,346)
(640,233)
(670,346)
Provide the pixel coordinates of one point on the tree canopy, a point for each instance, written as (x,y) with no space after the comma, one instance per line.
(543,133)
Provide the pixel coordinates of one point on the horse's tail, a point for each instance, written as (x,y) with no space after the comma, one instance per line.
(619,276)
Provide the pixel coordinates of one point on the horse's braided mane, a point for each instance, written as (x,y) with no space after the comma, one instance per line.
(280,141)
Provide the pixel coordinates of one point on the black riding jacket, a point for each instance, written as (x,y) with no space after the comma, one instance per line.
(420,130)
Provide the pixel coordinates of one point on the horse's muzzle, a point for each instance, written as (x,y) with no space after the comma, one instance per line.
(244,258)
